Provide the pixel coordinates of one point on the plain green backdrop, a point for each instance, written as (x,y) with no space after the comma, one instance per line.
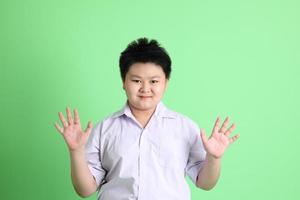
(235,58)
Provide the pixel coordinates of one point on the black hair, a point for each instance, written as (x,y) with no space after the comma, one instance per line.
(144,50)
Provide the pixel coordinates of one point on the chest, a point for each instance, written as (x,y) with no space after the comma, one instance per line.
(160,144)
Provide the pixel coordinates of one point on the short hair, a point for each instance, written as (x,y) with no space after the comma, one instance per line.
(144,50)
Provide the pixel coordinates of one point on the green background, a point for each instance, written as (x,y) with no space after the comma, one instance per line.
(236,58)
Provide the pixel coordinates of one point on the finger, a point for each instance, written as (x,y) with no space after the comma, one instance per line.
(224,126)
(76,117)
(89,128)
(70,118)
(234,138)
(58,128)
(203,136)
(216,126)
(62,119)
(229,131)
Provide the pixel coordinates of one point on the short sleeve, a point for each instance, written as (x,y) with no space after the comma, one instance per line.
(92,155)
(197,153)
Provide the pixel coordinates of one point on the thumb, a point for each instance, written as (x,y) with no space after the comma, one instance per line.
(88,129)
(203,136)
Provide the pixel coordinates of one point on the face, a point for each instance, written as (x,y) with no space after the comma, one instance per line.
(145,84)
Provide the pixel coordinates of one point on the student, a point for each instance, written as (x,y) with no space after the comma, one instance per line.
(145,150)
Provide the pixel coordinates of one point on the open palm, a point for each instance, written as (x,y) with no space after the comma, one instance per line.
(219,140)
(74,136)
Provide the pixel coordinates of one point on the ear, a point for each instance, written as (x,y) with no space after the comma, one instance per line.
(123,85)
(166,85)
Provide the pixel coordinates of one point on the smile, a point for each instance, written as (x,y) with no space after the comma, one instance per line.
(145,97)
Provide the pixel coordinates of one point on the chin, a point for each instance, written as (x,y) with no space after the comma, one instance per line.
(144,106)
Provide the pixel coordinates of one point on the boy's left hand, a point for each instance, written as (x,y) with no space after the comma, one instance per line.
(219,140)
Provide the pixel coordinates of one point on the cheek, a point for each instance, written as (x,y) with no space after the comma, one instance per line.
(131,89)
(158,90)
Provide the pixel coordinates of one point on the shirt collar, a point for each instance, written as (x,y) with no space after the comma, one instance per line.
(160,111)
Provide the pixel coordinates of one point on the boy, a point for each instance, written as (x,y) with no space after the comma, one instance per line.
(144,150)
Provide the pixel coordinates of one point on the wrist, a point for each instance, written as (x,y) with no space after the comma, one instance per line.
(210,157)
(76,152)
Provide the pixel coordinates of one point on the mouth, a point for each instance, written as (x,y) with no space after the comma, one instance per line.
(145,97)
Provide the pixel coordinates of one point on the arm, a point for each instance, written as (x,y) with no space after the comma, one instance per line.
(82,179)
(215,147)
(209,173)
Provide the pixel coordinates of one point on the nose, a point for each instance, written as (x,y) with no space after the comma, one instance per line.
(145,87)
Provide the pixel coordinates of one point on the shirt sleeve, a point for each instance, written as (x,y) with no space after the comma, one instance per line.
(197,153)
(92,155)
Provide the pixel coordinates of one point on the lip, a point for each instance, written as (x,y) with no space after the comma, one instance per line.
(145,96)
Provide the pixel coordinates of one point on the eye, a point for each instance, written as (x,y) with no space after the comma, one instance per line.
(154,81)
(136,81)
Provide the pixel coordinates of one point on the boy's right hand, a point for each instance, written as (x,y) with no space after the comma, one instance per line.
(74,136)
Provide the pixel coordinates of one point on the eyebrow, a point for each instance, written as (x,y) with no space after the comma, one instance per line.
(146,77)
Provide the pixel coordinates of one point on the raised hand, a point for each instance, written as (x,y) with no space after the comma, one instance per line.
(219,140)
(74,136)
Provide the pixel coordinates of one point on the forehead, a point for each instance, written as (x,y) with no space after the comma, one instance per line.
(145,70)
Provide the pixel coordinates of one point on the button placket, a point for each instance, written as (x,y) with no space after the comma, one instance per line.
(141,159)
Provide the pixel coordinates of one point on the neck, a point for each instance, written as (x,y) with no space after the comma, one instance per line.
(142,116)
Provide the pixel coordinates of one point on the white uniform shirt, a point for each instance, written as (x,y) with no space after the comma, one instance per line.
(131,162)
